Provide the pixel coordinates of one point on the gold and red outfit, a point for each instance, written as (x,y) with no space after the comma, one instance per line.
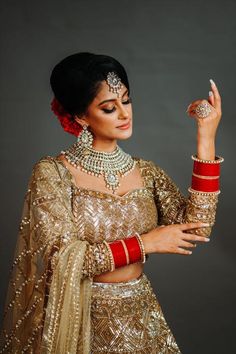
(53,305)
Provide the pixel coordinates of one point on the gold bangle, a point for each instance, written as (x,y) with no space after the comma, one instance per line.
(126,251)
(191,190)
(112,262)
(218,159)
(140,241)
(205,177)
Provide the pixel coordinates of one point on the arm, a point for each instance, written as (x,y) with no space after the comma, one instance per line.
(55,227)
(200,204)
(53,207)
(174,208)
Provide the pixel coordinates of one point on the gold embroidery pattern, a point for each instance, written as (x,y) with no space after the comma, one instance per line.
(127,318)
(52,219)
(174,208)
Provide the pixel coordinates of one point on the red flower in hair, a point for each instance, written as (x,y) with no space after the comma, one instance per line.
(67,121)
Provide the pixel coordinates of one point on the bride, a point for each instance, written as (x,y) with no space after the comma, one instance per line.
(92,215)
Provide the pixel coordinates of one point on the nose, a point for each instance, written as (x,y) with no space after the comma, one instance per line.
(123,114)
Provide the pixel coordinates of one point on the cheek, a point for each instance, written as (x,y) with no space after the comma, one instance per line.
(130,110)
(103,123)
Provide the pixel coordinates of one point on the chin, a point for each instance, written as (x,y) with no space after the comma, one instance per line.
(126,134)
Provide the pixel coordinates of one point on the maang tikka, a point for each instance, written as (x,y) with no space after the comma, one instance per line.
(110,165)
(114,82)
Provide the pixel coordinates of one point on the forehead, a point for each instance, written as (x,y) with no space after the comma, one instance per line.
(105,94)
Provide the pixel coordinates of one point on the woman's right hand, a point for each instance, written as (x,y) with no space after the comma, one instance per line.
(172,238)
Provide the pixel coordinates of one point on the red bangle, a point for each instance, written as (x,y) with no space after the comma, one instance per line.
(206,169)
(134,250)
(126,251)
(205,185)
(118,253)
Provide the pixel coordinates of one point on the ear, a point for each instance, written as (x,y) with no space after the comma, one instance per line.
(81,120)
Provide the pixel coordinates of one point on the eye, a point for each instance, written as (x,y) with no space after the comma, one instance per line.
(129,100)
(106,110)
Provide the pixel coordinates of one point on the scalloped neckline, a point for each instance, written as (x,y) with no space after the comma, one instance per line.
(123,196)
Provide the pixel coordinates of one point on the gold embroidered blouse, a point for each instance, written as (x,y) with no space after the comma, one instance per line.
(61,237)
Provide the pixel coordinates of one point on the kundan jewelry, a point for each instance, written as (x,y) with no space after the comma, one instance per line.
(114,82)
(86,137)
(110,165)
(203,110)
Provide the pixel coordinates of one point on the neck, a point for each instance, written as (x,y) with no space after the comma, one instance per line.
(105,146)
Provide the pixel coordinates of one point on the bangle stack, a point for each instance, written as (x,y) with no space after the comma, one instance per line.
(206,175)
(141,247)
(126,251)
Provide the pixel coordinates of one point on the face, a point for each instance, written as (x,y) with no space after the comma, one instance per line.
(109,117)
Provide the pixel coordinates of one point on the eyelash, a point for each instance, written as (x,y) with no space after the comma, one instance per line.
(113,109)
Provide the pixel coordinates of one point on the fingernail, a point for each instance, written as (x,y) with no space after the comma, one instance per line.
(212,82)
(205,224)
(210,93)
(207,239)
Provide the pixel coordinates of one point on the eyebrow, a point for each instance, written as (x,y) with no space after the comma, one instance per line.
(112,99)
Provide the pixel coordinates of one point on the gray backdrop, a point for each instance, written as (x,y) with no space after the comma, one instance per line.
(170,49)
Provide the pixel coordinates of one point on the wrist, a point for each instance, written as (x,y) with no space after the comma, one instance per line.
(206,149)
(146,243)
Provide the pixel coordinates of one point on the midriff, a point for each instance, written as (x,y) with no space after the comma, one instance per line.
(123,274)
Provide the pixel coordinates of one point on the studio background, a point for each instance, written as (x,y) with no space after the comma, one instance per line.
(170,50)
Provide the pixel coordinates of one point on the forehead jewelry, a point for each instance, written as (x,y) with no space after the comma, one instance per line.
(203,110)
(114,82)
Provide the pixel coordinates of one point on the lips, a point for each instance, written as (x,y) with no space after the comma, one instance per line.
(124,126)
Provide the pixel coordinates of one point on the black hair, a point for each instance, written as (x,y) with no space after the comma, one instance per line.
(75,80)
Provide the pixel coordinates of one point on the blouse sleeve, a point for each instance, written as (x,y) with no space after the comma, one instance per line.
(46,231)
(53,211)
(58,216)
(174,208)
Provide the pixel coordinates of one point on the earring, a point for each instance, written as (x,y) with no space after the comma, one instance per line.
(86,137)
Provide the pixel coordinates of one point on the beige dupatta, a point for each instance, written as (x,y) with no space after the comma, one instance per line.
(47,306)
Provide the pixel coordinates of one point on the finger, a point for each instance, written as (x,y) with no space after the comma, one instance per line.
(193,225)
(193,105)
(192,109)
(188,244)
(217,98)
(183,251)
(194,238)
(211,98)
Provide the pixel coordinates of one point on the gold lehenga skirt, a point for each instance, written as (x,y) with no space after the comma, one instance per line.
(127,318)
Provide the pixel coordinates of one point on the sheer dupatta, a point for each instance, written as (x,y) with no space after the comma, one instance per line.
(47,307)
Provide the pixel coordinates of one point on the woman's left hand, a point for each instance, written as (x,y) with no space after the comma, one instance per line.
(207,126)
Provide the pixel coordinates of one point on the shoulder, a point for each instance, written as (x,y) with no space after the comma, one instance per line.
(148,165)
(44,164)
(157,176)
(49,167)
(52,168)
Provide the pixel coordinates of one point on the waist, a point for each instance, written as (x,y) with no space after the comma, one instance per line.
(125,289)
(122,274)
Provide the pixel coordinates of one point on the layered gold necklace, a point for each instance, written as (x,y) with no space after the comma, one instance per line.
(111,165)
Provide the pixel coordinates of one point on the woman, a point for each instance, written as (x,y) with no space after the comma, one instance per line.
(91,217)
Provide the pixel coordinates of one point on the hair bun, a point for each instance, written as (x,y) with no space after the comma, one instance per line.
(66,119)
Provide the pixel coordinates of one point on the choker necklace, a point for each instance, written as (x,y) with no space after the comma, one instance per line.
(110,165)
